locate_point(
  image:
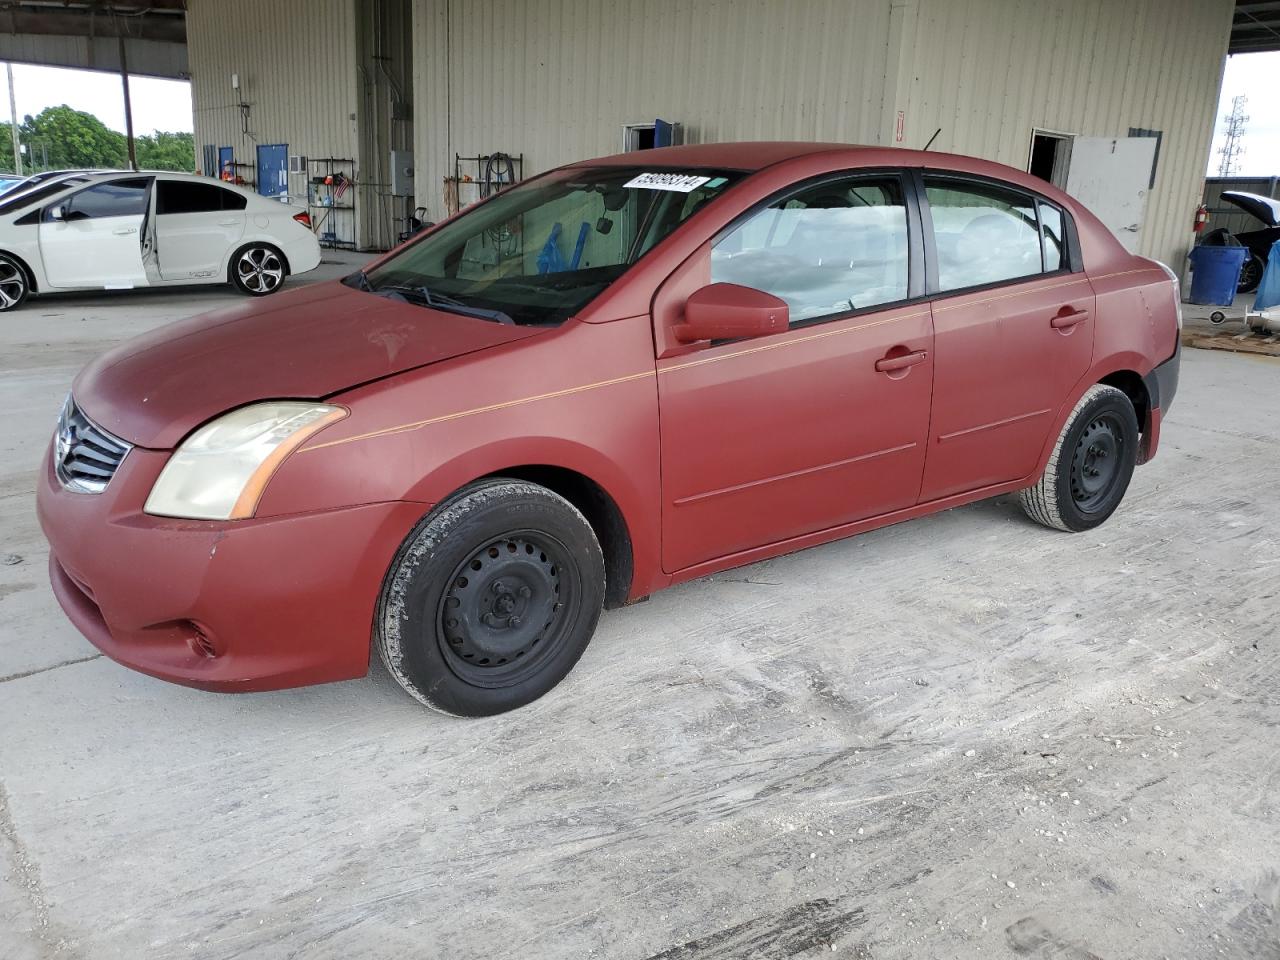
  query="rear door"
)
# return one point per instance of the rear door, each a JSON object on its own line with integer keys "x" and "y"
{"x": 1013, "y": 327}
{"x": 197, "y": 225}
{"x": 273, "y": 169}
{"x": 98, "y": 241}
{"x": 768, "y": 439}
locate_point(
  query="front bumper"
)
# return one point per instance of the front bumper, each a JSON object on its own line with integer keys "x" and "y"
{"x": 229, "y": 606}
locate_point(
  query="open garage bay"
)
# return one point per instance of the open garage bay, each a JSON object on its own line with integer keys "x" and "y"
{"x": 965, "y": 736}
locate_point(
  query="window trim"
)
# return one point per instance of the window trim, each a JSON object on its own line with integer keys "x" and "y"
{"x": 1075, "y": 263}
{"x": 46, "y": 212}
{"x": 916, "y": 263}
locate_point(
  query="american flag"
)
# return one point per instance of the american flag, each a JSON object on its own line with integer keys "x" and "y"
{"x": 340, "y": 184}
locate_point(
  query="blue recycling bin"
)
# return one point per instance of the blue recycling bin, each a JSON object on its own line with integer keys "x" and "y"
{"x": 1215, "y": 274}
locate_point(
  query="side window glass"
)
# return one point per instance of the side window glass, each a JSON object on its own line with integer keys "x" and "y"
{"x": 834, "y": 248}
{"x": 983, "y": 234}
{"x": 180, "y": 196}
{"x": 1052, "y": 237}
{"x": 119, "y": 198}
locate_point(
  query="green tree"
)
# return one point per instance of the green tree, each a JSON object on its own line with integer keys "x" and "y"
{"x": 6, "y": 147}
{"x": 165, "y": 151}
{"x": 71, "y": 139}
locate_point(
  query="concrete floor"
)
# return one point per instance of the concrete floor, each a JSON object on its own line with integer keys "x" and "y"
{"x": 963, "y": 737}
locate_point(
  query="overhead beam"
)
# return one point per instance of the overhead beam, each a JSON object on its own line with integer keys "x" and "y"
{"x": 165, "y": 28}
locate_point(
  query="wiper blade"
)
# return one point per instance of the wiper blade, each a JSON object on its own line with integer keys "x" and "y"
{"x": 442, "y": 301}
{"x": 361, "y": 281}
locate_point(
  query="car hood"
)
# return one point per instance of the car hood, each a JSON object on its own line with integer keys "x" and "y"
{"x": 1264, "y": 208}
{"x": 307, "y": 344}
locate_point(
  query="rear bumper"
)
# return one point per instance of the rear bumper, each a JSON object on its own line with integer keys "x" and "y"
{"x": 1162, "y": 385}
{"x": 238, "y": 606}
{"x": 1162, "y": 382}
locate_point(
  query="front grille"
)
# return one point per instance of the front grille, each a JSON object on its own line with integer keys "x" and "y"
{"x": 85, "y": 457}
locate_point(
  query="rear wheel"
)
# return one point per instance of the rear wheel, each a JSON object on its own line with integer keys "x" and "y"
{"x": 492, "y": 600}
{"x": 1251, "y": 274}
{"x": 13, "y": 283}
{"x": 1091, "y": 465}
{"x": 258, "y": 269}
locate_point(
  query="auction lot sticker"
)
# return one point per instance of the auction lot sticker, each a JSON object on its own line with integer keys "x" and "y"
{"x": 679, "y": 182}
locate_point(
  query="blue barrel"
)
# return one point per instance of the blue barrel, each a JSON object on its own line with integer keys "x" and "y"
{"x": 1215, "y": 274}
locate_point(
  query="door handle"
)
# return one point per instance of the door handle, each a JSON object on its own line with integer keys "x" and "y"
{"x": 890, "y": 364}
{"x": 125, "y": 231}
{"x": 1066, "y": 319}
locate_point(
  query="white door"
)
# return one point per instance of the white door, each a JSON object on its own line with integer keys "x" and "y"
{"x": 1111, "y": 176}
{"x": 197, "y": 225}
{"x": 98, "y": 240}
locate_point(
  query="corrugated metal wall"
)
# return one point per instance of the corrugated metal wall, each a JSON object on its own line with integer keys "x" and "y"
{"x": 296, "y": 60}
{"x": 556, "y": 79}
{"x": 988, "y": 71}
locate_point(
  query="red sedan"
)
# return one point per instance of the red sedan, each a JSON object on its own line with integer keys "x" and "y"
{"x": 617, "y": 376}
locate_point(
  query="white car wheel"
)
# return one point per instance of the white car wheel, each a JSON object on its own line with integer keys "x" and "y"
{"x": 13, "y": 283}
{"x": 258, "y": 270}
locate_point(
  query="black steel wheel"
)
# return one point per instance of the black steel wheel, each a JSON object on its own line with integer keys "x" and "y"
{"x": 1251, "y": 274}
{"x": 492, "y": 599}
{"x": 503, "y": 614}
{"x": 1091, "y": 464}
{"x": 258, "y": 269}
{"x": 1097, "y": 464}
{"x": 13, "y": 283}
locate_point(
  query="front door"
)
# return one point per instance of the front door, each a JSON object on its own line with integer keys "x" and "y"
{"x": 1111, "y": 176}
{"x": 768, "y": 439}
{"x": 95, "y": 237}
{"x": 273, "y": 169}
{"x": 1013, "y": 333}
{"x": 197, "y": 225}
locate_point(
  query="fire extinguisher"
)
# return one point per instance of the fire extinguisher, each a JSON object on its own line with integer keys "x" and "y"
{"x": 1202, "y": 217}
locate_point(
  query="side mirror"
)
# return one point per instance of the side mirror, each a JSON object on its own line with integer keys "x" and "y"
{"x": 727, "y": 311}
{"x": 58, "y": 213}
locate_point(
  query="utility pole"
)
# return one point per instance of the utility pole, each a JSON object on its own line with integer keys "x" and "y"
{"x": 1234, "y": 123}
{"x": 128, "y": 107}
{"x": 13, "y": 122}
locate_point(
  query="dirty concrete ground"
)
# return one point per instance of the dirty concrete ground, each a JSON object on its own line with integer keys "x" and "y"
{"x": 962, "y": 737}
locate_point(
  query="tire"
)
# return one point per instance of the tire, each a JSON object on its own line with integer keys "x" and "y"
{"x": 258, "y": 269}
{"x": 1251, "y": 274}
{"x": 14, "y": 285}
{"x": 1091, "y": 465}
{"x": 491, "y": 600}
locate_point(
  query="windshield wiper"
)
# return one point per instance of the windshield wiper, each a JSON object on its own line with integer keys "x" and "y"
{"x": 361, "y": 281}
{"x": 440, "y": 301}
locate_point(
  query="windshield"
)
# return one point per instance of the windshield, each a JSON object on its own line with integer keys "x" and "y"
{"x": 29, "y": 195}
{"x": 538, "y": 253}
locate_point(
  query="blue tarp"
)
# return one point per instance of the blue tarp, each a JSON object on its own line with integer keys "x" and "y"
{"x": 1268, "y": 294}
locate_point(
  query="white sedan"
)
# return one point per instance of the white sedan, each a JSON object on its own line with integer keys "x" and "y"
{"x": 120, "y": 230}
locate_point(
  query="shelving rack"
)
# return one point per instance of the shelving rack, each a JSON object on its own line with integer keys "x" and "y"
{"x": 465, "y": 188}
{"x": 335, "y": 226}
{"x": 239, "y": 178}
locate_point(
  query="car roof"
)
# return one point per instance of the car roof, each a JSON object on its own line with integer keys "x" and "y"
{"x": 753, "y": 156}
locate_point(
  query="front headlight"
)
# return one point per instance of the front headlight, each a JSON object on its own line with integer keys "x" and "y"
{"x": 220, "y": 471}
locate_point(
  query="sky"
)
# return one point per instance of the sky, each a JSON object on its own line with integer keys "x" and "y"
{"x": 157, "y": 104}
{"x": 1257, "y": 76}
